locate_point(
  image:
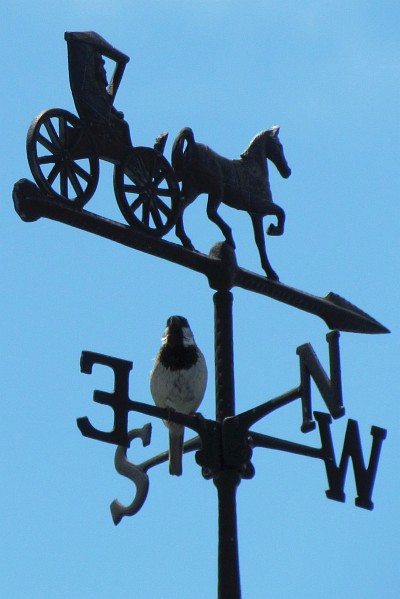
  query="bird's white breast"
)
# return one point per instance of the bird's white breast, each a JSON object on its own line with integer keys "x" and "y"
{"x": 181, "y": 390}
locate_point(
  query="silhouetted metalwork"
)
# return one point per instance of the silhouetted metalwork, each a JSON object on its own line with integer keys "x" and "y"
{"x": 338, "y": 313}
{"x": 227, "y": 442}
{"x": 241, "y": 184}
{"x": 224, "y": 446}
{"x": 64, "y": 150}
{"x": 63, "y": 153}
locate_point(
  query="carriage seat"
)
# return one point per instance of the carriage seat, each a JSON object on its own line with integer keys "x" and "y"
{"x": 93, "y": 94}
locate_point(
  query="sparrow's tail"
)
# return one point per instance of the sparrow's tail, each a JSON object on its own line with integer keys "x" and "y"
{"x": 176, "y": 432}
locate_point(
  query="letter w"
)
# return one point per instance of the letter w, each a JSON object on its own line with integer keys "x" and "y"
{"x": 364, "y": 477}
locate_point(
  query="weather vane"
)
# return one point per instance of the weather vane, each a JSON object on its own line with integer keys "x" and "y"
{"x": 63, "y": 154}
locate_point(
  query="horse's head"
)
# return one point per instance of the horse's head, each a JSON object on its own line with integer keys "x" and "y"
{"x": 274, "y": 151}
{"x": 267, "y": 145}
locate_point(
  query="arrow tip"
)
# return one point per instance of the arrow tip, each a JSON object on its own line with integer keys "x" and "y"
{"x": 355, "y": 320}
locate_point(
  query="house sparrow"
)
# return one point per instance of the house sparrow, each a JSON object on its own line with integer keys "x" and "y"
{"x": 178, "y": 381}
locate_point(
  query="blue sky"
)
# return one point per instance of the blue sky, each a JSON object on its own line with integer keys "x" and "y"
{"x": 328, "y": 74}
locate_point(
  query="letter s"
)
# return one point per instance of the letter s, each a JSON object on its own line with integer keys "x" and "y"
{"x": 135, "y": 474}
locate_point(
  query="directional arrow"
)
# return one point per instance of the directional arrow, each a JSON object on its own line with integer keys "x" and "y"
{"x": 337, "y": 312}
{"x": 220, "y": 266}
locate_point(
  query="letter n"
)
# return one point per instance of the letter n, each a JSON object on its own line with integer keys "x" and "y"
{"x": 329, "y": 388}
{"x": 364, "y": 477}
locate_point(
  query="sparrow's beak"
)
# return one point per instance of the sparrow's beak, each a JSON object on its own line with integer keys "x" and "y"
{"x": 174, "y": 322}
{"x": 176, "y": 330}
{"x": 173, "y": 331}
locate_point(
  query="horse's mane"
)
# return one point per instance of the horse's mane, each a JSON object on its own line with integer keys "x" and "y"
{"x": 254, "y": 143}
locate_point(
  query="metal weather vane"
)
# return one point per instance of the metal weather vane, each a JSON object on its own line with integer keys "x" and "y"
{"x": 63, "y": 153}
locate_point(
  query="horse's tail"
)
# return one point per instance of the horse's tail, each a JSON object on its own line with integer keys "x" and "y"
{"x": 180, "y": 157}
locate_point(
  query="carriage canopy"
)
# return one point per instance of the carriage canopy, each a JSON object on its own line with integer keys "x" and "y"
{"x": 93, "y": 94}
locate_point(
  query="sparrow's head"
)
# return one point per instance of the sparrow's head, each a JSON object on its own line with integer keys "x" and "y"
{"x": 177, "y": 333}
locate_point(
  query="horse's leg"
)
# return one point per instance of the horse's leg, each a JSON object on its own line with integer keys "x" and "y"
{"x": 212, "y": 212}
{"x": 181, "y": 234}
{"x": 179, "y": 228}
{"x": 277, "y": 211}
{"x": 256, "y": 219}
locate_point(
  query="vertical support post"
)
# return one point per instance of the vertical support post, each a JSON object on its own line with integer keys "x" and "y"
{"x": 223, "y": 345}
{"x": 227, "y": 480}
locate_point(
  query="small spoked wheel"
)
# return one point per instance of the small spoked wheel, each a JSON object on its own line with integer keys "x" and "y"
{"x": 147, "y": 191}
{"x": 62, "y": 156}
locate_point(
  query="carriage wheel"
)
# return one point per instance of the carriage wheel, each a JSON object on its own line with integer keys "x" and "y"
{"x": 62, "y": 156}
{"x": 147, "y": 191}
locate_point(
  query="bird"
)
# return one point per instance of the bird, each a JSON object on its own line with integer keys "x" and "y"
{"x": 178, "y": 381}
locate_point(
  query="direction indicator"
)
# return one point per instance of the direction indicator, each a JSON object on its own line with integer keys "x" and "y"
{"x": 337, "y": 312}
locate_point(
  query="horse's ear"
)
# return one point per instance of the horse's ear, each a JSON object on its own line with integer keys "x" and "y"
{"x": 275, "y": 130}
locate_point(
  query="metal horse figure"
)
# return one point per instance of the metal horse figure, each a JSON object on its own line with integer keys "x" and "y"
{"x": 242, "y": 184}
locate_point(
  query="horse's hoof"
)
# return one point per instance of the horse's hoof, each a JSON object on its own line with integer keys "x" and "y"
{"x": 274, "y": 230}
{"x": 187, "y": 244}
{"x": 272, "y": 276}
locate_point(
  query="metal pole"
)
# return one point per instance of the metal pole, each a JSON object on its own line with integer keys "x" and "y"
{"x": 223, "y": 342}
{"x": 228, "y": 479}
{"x": 228, "y": 553}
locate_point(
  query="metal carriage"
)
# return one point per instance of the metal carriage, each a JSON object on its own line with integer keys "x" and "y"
{"x": 64, "y": 150}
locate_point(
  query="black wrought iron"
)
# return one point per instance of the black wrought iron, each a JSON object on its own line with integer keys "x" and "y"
{"x": 224, "y": 446}
{"x": 241, "y": 184}
{"x": 64, "y": 150}
{"x": 31, "y": 204}
{"x": 63, "y": 153}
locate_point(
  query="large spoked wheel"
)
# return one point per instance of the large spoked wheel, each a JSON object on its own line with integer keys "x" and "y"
{"x": 62, "y": 156}
{"x": 147, "y": 191}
